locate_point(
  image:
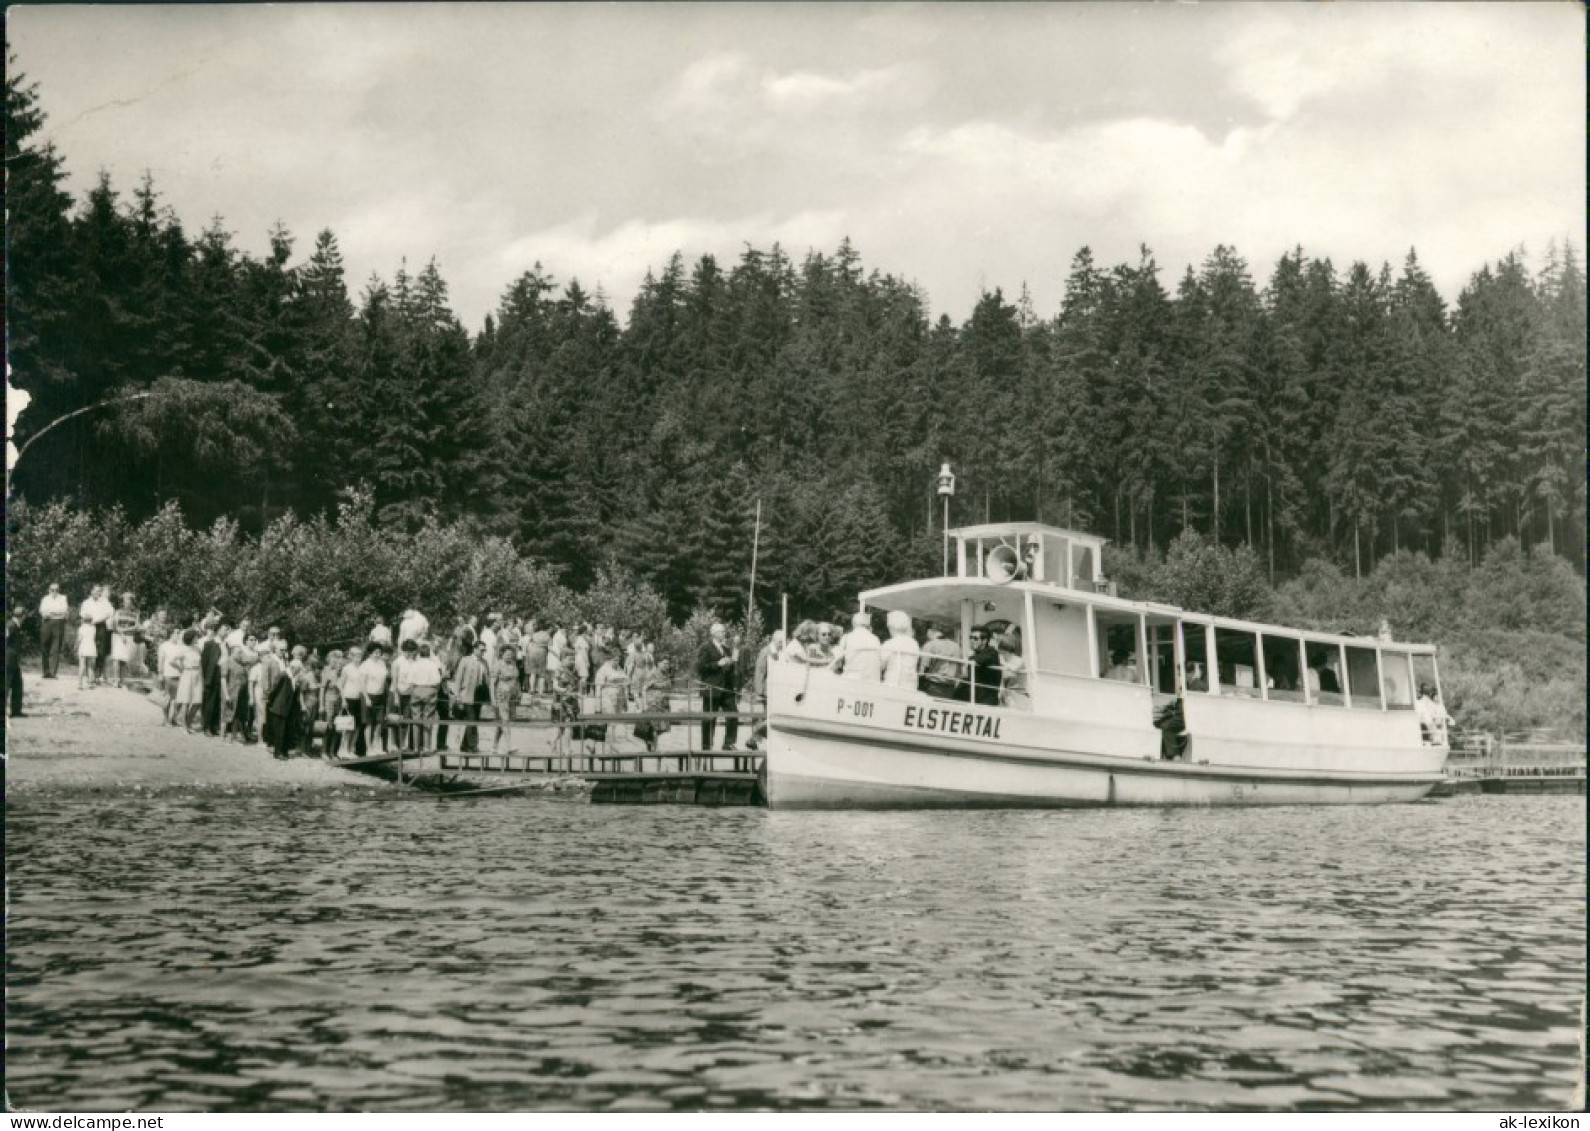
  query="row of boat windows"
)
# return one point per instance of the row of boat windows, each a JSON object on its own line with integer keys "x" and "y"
{"x": 1238, "y": 663}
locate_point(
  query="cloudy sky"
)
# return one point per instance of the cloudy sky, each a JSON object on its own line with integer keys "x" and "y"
{"x": 960, "y": 146}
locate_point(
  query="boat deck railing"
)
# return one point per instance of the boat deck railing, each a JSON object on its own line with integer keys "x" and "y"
{"x": 960, "y": 680}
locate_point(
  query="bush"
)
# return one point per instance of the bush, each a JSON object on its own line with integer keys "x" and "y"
{"x": 620, "y": 598}
{"x": 1196, "y": 575}
{"x": 57, "y": 543}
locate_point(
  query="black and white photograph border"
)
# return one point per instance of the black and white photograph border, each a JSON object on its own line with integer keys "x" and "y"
{"x": 495, "y": 491}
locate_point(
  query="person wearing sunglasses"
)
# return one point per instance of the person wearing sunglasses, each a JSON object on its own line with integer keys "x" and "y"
{"x": 986, "y": 670}
{"x": 821, "y": 650}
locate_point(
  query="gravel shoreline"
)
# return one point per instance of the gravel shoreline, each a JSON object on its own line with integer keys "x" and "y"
{"x": 109, "y": 738}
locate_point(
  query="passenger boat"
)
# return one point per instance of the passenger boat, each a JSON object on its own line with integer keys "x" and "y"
{"x": 1125, "y": 702}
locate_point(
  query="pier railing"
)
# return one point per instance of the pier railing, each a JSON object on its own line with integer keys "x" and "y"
{"x": 589, "y": 744}
{"x": 1478, "y": 754}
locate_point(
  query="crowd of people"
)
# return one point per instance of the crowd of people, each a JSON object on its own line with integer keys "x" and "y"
{"x": 412, "y": 688}
{"x": 391, "y": 689}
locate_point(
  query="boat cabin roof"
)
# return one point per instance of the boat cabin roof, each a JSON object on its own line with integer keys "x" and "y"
{"x": 940, "y": 599}
{"x": 1001, "y": 529}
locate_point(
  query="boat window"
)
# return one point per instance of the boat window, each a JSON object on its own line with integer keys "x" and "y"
{"x": 1282, "y": 655}
{"x": 1081, "y": 567}
{"x": 1363, "y": 678}
{"x": 1235, "y": 652}
{"x": 1396, "y": 680}
{"x": 1323, "y": 677}
{"x": 1195, "y": 654}
{"x": 1424, "y": 674}
{"x": 1118, "y": 655}
{"x": 1162, "y": 653}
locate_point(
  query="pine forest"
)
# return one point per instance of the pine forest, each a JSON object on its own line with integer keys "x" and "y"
{"x": 1318, "y": 428}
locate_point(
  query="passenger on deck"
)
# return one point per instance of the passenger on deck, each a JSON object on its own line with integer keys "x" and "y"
{"x": 1196, "y": 681}
{"x": 987, "y": 675}
{"x": 861, "y": 656}
{"x": 1013, "y": 672}
{"x": 941, "y": 664}
{"x": 821, "y": 649}
{"x": 797, "y": 651}
{"x": 901, "y": 655}
{"x": 1433, "y": 719}
{"x": 1123, "y": 667}
{"x": 767, "y": 656}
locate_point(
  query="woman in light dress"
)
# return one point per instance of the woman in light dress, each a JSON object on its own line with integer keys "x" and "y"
{"x": 610, "y": 694}
{"x": 535, "y": 659}
{"x": 124, "y": 624}
{"x": 168, "y": 662}
{"x": 190, "y": 681}
{"x": 331, "y": 700}
{"x": 504, "y": 694}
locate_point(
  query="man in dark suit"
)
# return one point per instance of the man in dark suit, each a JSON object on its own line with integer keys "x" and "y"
{"x": 210, "y": 670}
{"x": 986, "y": 670}
{"x": 14, "y": 662}
{"x": 717, "y": 668}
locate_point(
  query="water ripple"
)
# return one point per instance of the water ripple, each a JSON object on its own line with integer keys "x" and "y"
{"x": 391, "y": 953}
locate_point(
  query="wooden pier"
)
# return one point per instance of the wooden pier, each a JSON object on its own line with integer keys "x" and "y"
{"x": 1523, "y": 763}
{"x": 616, "y": 772}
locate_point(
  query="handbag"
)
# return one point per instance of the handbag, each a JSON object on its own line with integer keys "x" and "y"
{"x": 343, "y": 723}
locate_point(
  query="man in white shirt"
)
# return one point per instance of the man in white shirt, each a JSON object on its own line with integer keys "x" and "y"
{"x": 53, "y": 611}
{"x": 901, "y": 654}
{"x": 234, "y": 639}
{"x": 488, "y": 637}
{"x": 402, "y": 685}
{"x": 424, "y": 685}
{"x": 860, "y": 653}
{"x": 414, "y": 626}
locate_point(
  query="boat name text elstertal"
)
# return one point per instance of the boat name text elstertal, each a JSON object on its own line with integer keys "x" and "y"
{"x": 952, "y": 722}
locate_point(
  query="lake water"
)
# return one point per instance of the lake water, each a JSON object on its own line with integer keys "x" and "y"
{"x": 379, "y": 951}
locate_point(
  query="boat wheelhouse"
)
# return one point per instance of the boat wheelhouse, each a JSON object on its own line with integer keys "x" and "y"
{"x": 1118, "y": 702}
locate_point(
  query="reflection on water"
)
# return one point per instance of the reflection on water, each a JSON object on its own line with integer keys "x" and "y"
{"x": 395, "y": 952}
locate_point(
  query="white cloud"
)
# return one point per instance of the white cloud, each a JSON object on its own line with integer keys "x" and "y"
{"x": 1286, "y": 58}
{"x": 730, "y": 102}
{"x": 806, "y": 90}
{"x": 957, "y": 145}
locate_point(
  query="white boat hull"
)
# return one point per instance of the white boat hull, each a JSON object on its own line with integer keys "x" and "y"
{"x": 905, "y": 750}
